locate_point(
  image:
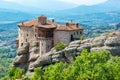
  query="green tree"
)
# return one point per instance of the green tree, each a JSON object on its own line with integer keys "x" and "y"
{"x": 59, "y": 46}
{"x": 38, "y": 74}
{"x": 16, "y": 73}
{"x": 88, "y": 66}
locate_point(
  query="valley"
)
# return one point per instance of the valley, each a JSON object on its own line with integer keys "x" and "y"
{"x": 94, "y": 24}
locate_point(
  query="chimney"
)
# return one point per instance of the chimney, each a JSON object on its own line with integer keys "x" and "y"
{"x": 67, "y": 23}
{"x": 77, "y": 25}
{"x": 53, "y": 20}
{"x": 70, "y": 24}
{"x": 42, "y": 20}
{"x": 22, "y": 23}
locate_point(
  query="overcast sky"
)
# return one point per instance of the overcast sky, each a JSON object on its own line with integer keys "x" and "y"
{"x": 52, "y": 4}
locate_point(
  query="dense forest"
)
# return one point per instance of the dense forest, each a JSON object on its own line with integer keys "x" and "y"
{"x": 87, "y": 66}
{"x": 6, "y": 57}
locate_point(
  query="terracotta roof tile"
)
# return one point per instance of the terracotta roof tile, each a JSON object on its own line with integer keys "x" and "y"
{"x": 49, "y": 25}
{"x": 69, "y": 28}
{"x": 46, "y": 26}
{"x": 29, "y": 23}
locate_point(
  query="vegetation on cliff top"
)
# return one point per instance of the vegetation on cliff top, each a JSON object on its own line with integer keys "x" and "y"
{"x": 88, "y": 66}
{"x": 59, "y": 46}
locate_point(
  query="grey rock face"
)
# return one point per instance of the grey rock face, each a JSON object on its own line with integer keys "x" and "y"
{"x": 22, "y": 55}
{"x": 23, "y": 51}
{"x": 98, "y": 41}
{"x": 41, "y": 61}
{"x": 21, "y": 59}
{"x": 112, "y": 41}
{"x": 114, "y": 50}
{"x": 33, "y": 57}
{"x": 75, "y": 44}
{"x": 34, "y": 53}
{"x": 95, "y": 49}
{"x": 86, "y": 46}
{"x": 28, "y": 55}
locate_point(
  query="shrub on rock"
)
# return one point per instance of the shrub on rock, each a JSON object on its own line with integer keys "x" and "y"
{"x": 59, "y": 46}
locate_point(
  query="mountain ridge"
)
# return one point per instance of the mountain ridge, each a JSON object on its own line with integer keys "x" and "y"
{"x": 108, "y": 6}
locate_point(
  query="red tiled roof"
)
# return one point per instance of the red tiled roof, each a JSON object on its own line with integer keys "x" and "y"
{"x": 29, "y": 23}
{"x": 69, "y": 28}
{"x": 49, "y": 25}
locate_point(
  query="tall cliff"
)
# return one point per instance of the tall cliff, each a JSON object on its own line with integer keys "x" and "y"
{"x": 28, "y": 56}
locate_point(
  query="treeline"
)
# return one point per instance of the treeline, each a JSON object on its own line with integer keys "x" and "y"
{"x": 88, "y": 66}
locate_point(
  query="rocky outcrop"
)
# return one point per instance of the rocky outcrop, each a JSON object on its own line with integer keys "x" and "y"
{"x": 21, "y": 59}
{"x": 29, "y": 58}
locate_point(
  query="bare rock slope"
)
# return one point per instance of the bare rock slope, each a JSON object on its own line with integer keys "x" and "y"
{"x": 28, "y": 56}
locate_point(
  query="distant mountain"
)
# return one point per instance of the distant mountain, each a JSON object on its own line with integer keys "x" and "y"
{"x": 14, "y": 15}
{"x": 108, "y": 6}
{"x": 36, "y": 6}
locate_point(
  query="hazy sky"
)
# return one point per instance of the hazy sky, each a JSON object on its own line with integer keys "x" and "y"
{"x": 53, "y": 4}
{"x": 84, "y": 2}
{"x": 78, "y": 2}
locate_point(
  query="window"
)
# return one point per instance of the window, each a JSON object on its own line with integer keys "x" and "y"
{"x": 27, "y": 34}
{"x": 80, "y": 32}
{"x": 21, "y": 44}
{"x": 74, "y": 33}
{"x": 35, "y": 30}
{"x": 26, "y": 40}
{"x": 72, "y": 39}
{"x": 48, "y": 47}
{"x": 77, "y": 33}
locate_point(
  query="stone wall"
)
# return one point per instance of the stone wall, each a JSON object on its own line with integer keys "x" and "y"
{"x": 76, "y": 34}
{"x": 65, "y": 36}
{"x": 61, "y": 36}
{"x": 26, "y": 34}
{"x": 45, "y": 44}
